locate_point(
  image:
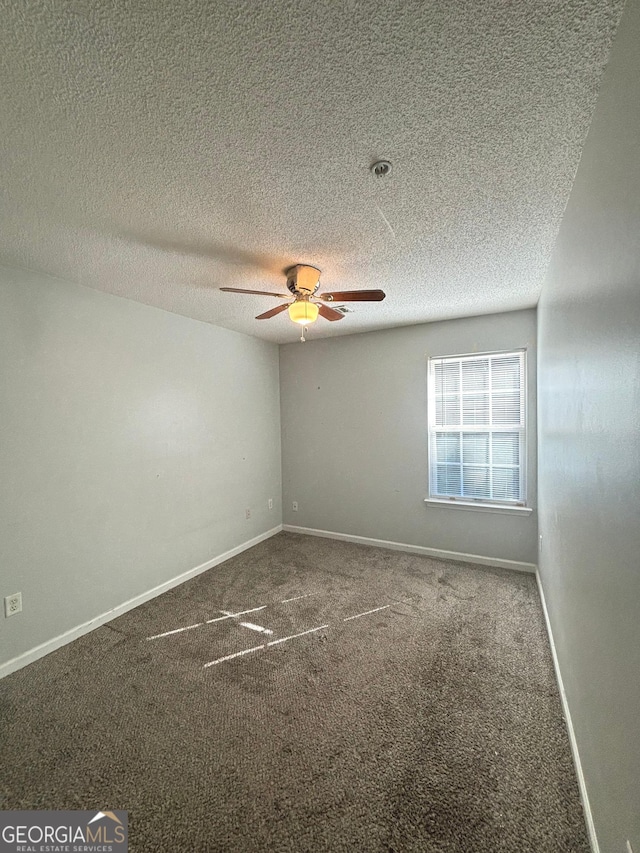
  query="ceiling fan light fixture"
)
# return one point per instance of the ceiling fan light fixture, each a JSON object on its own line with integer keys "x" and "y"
{"x": 303, "y": 312}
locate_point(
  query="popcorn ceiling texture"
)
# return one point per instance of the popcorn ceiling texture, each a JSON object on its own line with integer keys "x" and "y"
{"x": 161, "y": 151}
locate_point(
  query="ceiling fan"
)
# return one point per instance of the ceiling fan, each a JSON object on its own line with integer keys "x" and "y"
{"x": 303, "y": 281}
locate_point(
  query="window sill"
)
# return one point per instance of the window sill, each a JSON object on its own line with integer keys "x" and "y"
{"x": 481, "y": 507}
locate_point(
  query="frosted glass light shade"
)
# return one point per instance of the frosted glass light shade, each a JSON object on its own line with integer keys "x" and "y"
{"x": 303, "y": 312}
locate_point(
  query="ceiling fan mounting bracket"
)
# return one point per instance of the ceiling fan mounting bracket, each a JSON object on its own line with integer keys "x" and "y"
{"x": 303, "y": 280}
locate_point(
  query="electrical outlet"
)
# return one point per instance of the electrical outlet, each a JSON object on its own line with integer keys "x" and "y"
{"x": 13, "y": 604}
{"x": 270, "y": 503}
{"x": 247, "y": 513}
{"x": 295, "y": 506}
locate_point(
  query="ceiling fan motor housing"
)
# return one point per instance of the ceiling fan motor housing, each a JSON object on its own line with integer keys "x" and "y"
{"x": 303, "y": 279}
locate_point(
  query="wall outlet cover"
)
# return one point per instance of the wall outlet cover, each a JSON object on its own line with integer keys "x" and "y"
{"x": 13, "y": 604}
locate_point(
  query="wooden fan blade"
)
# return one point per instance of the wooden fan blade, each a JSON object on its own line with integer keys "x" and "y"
{"x": 353, "y": 296}
{"x": 258, "y": 292}
{"x": 329, "y": 313}
{"x": 272, "y": 313}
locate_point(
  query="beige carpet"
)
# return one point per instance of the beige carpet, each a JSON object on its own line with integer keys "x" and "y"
{"x": 432, "y": 724}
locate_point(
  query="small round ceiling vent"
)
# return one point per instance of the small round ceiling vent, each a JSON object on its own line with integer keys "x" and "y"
{"x": 381, "y": 168}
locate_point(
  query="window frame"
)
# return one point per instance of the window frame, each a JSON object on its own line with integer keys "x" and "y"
{"x": 465, "y": 501}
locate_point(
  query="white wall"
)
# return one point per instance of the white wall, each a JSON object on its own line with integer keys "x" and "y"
{"x": 354, "y": 436}
{"x": 132, "y": 441}
{"x": 589, "y": 477}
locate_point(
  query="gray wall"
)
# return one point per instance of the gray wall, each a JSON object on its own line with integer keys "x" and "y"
{"x": 132, "y": 441}
{"x": 354, "y": 436}
{"x": 589, "y": 478}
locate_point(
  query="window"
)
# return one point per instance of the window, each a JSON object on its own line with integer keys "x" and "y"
{"x": 477, "y": 430}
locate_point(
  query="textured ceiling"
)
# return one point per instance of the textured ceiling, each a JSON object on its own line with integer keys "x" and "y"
{"x": 160, "y": 151}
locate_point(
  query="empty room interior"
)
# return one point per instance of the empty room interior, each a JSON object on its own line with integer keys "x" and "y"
{"x": 319, "y": 447}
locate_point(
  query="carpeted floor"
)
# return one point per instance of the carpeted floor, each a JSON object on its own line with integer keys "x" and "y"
{"x": 433, "y": 724}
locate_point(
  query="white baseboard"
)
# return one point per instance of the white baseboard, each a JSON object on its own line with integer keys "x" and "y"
{"x": 415, "y": 549}
{"x": 68, "y": 636}
{"x": 584, "y": 796}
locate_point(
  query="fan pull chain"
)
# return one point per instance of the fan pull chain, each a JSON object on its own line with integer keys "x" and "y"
{"x": 302, "y": 336}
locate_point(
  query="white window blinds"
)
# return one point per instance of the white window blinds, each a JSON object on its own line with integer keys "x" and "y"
{"x": 477, "y": 427}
